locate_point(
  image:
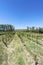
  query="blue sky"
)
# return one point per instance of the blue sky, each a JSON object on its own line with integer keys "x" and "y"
{"x": 21, "y": 13}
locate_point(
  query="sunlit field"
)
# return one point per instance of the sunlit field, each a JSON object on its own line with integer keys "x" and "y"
{"x": 21, "y": 48}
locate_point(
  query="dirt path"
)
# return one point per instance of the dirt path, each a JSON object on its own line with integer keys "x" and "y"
{"x": 27, "y": 56}
{"x": 15, "y": 50}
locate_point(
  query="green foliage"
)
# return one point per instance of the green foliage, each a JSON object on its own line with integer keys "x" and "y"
{"x": 36, "y": 30}
{"x": 6, "y": 28}
{"x": 20, "y": 61}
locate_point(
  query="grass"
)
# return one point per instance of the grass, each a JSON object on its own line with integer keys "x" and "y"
{"x": 22, "y": 41}
{"x": 20, "y": 61}
{"x": 32, "y": 46}
{"x": 3, "y": 54}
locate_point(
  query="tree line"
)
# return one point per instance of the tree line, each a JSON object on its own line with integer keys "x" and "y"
{"x": 6, "y": 27}
{"x": 33, "y": 29}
